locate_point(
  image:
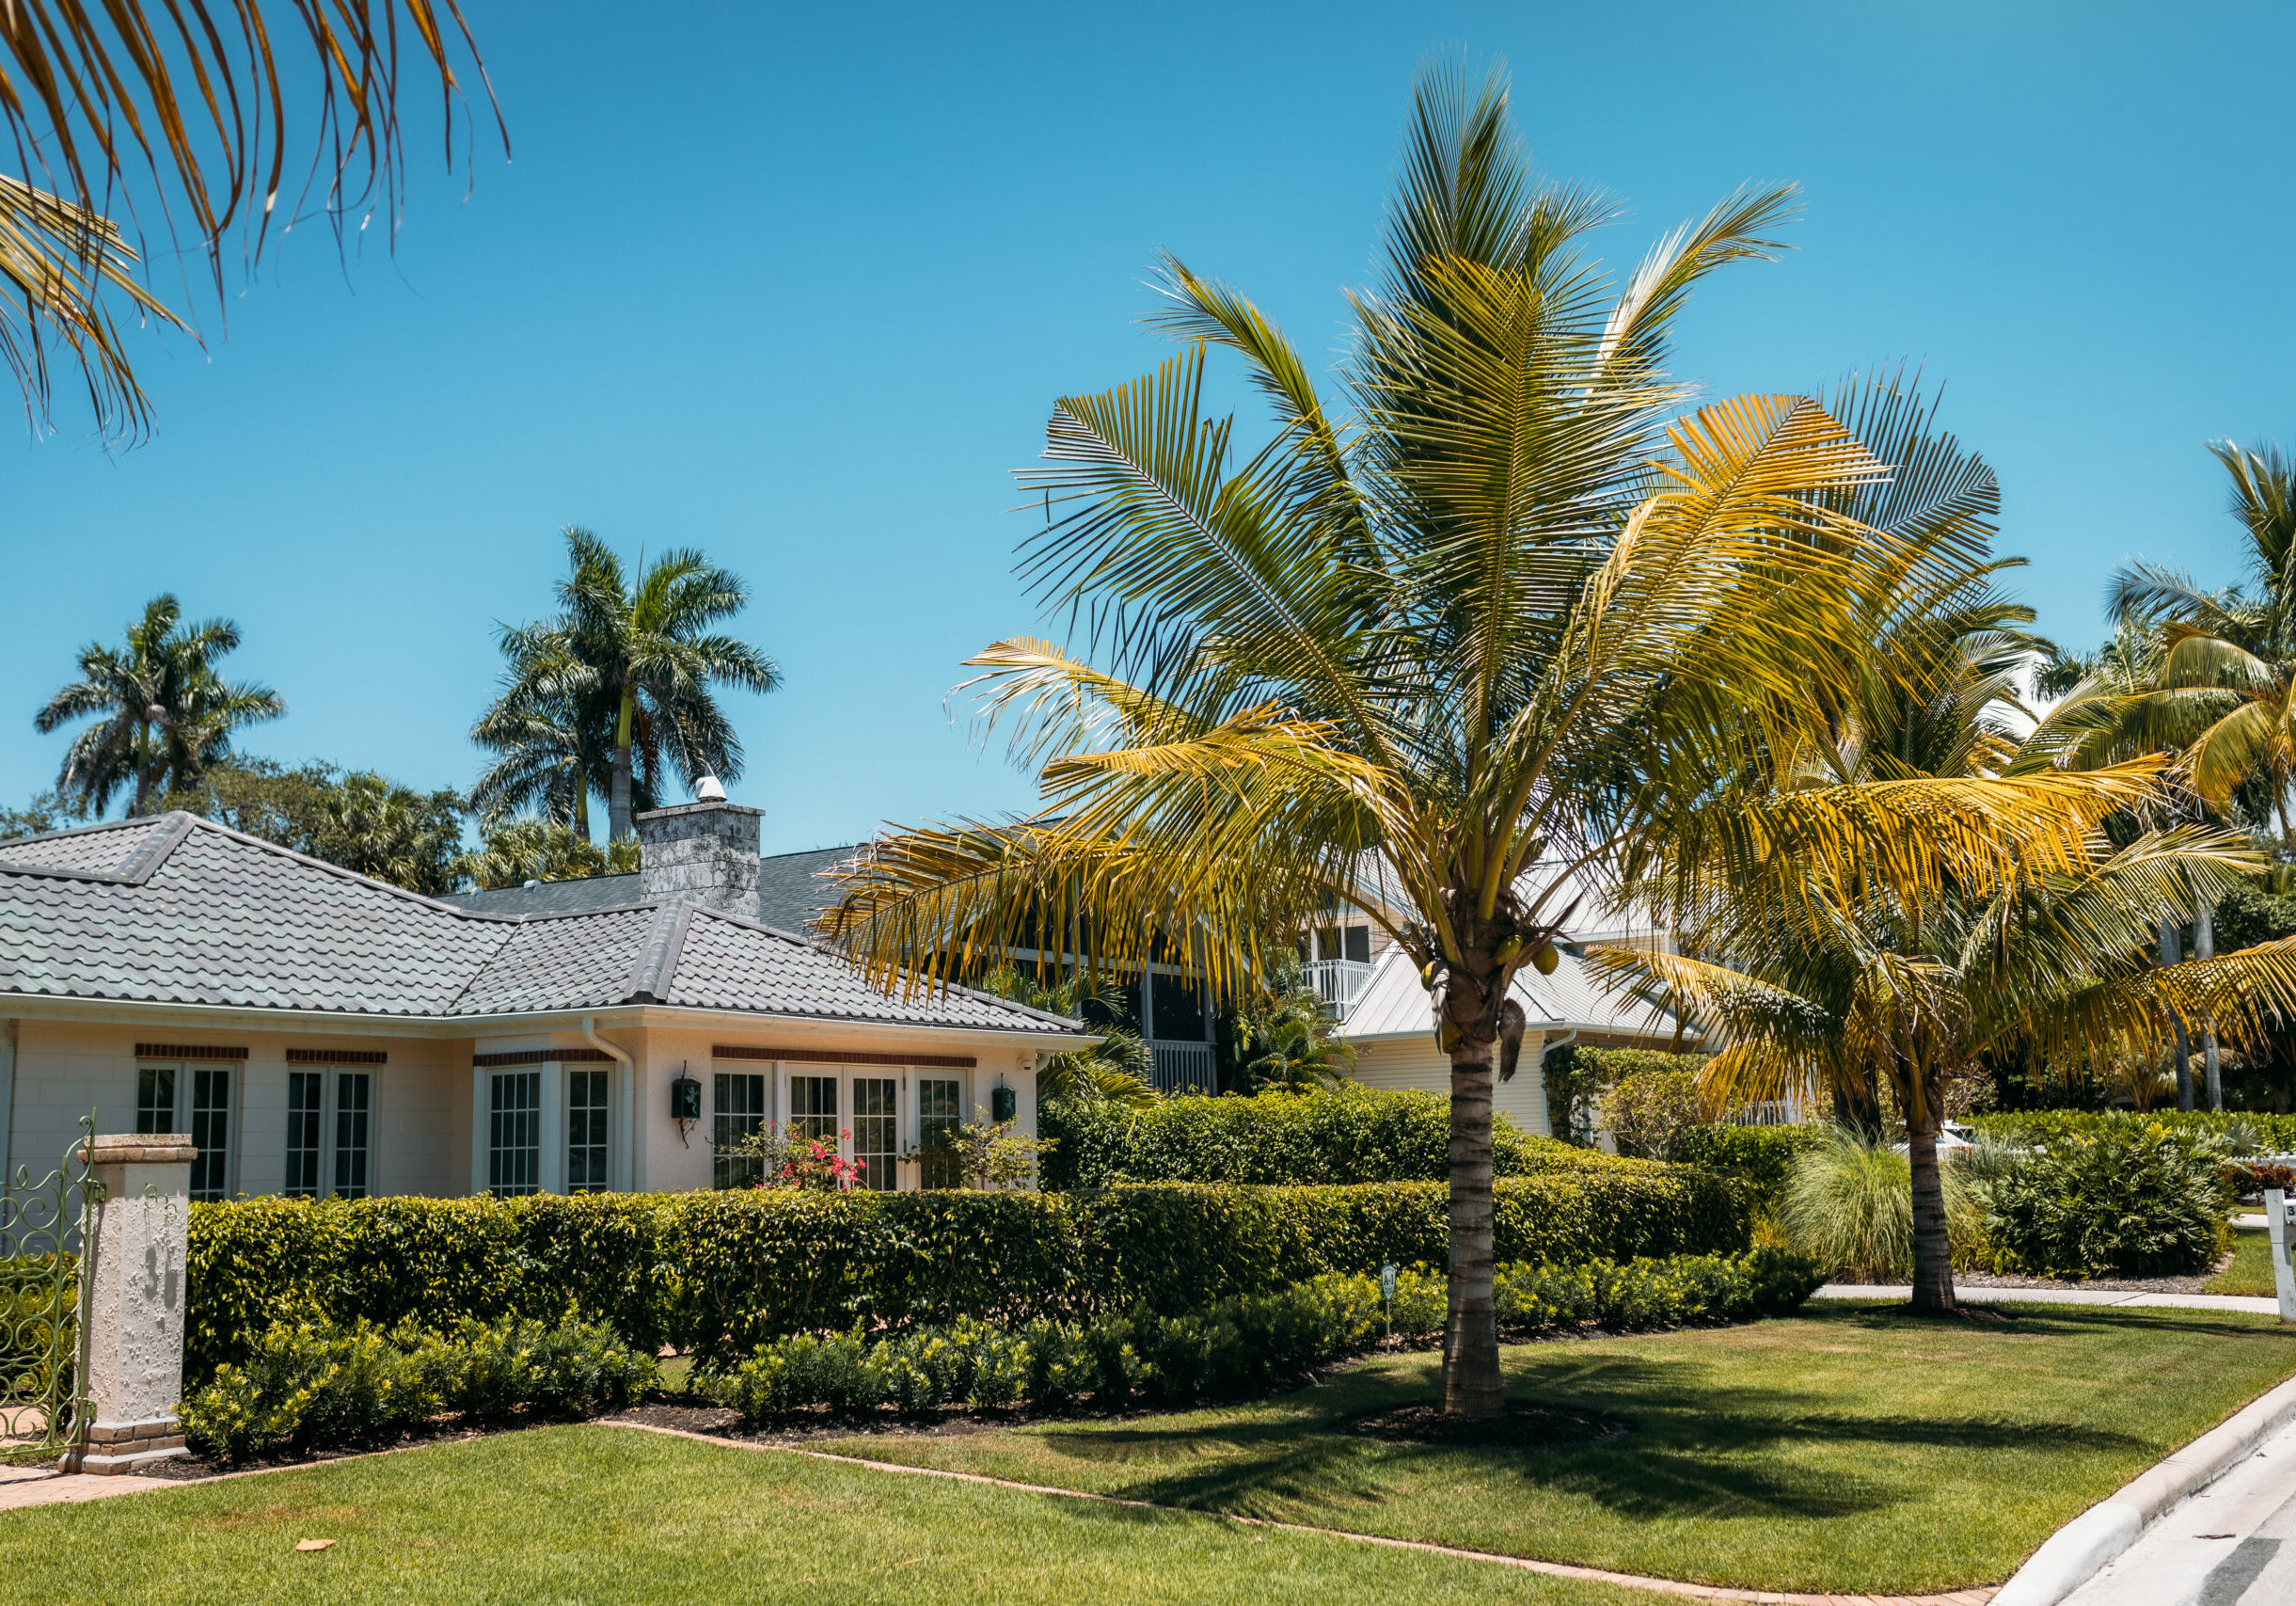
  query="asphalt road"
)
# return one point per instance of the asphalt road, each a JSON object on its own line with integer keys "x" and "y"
{"x": 2233, "y": 1544}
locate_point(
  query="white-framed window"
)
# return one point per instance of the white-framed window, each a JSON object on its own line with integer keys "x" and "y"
{"x": 195, "y": 1099}
{"x": 354, "y": 1132}
{"x": 876, "y": 1126}
{"x": 330, "y": 1133}
{"x": 514, "y": 1136}
{"x": 738, "y": 1109}
{"x": 586, "y": 1152}
{"x": 939, "y": 1111}
{"x": 812, "y": 1107}
{"x": 306, "y": 1119}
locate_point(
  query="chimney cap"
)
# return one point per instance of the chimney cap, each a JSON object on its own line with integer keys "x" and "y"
{"x": 708, "y": 788}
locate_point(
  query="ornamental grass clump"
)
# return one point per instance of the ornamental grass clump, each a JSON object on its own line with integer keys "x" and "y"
{"x": 1849, "y": 1205}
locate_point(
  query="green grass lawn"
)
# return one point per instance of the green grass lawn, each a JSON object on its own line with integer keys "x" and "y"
{"x": 1850, "y": 1448}
{"x": 2251, "y": 1271}
{"x": 605, "y": 1514}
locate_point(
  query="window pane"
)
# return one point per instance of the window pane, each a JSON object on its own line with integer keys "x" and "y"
{"x": 876, "y": 1103}
{"x": 305, "y": 1088}
{"x": 938, "y": 1111}
{"x": 1179, "y": 1006}
{"x": 739, "y": 1111}
{"x": 1359, "y": 943}
{"x": 585, "y": 1130}
{"x": 155, "y": 1098}
{"x": 354, "y": 1096}
{"x": 812, "y": 1107}
{"x": 211, "y": 1131}
{"x": 514, "y": 1153}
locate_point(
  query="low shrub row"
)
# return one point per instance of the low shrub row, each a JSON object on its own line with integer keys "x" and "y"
{"x": 1238, "y": 1347}
{"x": 719, "y": 1273}
{"x": 305, "y": 1386}
{"x": 1345, "y": 1135}
{"x": 2245, "y": 1132}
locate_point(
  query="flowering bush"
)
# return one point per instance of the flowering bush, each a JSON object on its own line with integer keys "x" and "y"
{"x": 792, "y": 1159}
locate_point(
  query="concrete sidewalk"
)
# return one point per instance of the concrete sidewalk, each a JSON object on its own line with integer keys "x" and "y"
{"x": 20, "y": 1486}
{"x": 2259, "y": 1304}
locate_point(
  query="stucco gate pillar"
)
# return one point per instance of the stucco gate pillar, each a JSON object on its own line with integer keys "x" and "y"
{"x": 132, "y": 1348}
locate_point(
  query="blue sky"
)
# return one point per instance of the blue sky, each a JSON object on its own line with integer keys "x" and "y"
{"x": 798, "y": 285}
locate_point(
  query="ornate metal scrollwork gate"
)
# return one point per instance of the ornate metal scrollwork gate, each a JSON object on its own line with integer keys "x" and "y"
{"x": 43, "y": 1302}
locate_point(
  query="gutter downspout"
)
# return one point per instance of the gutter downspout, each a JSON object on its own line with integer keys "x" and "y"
{"x": 626, "y": 1154}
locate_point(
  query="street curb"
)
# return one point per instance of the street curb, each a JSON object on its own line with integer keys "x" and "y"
{"x": 2077, "y": 1552}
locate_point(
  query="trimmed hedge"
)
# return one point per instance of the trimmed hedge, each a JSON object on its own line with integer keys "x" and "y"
{"x": 2244, "y": 1129}
{"x": 309, "y": 1387}
{"x": 1242, "y": 1345}
{"x": 719, "y": 1273}
{"x": 1763, "y": 1155}
{"x": 1342, "y": 1136}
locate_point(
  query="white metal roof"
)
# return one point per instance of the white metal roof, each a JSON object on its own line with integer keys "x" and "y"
{"x": 1394, "y": 1004}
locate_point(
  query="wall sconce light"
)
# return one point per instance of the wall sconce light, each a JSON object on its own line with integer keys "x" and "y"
{"x": 1004, "y": 1104}
{"x": 685, "y": 1104}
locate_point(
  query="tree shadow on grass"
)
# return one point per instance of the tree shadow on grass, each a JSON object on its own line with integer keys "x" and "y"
{"x": 1699, "y": 1447}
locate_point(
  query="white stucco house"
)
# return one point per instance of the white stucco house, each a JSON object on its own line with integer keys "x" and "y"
{"x": 317, "y": 1032}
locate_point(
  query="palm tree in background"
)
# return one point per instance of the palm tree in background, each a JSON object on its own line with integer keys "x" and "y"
{"x": 554, "y": 747}
{"x": 1500, "y": 613}
{"x": 2209, "y": 676}
{"x": 163, "y": 714}
{"x": 2034, "y": 934}
{"x": 646, "y": 651}
{"x": 181, "y": 111}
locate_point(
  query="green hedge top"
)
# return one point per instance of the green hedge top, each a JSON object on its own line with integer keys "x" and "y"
{"x": 1764, "y": 1155}
{"x": 722, "y": 1272}
{"x": 1348, "y": 1134}
{"x": 2245, "y": 1129}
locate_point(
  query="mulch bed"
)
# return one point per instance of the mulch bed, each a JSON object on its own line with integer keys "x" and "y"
{"x": 1525, "y": 1425}
{"x": 2109, "y": 1284}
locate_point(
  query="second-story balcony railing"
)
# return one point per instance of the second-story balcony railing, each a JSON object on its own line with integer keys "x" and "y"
{"x": 1338, "y": 981}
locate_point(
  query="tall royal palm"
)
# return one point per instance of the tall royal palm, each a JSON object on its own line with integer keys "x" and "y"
{"x": 553, "y": 746}
{"x": 1493, "y": 614}
{"x": 645, "y": 649}
{"x": 162, "y": 715}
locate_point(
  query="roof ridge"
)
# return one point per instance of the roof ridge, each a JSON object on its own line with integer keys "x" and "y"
{"x": 164, "y": 832}
{"x": 657, "y": 956}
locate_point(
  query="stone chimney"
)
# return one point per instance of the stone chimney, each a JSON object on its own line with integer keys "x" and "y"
{"x": 700, "y": 852}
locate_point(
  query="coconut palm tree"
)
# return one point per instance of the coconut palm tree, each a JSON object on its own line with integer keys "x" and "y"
{"x": 185, "y": 108}
{"x": 163, "y": 714}
{"x": 645, "y": 650}
{"x": 1844, "y": 975}
{"x": 1507, "y": 608}
{"x": 555, "y": 746}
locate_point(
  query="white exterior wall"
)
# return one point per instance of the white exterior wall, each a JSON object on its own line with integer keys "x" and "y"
{"x": 66, "y": 1069}
{"x": 1418, "y": 1065}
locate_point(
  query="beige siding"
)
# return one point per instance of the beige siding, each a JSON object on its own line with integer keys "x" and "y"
{"x": 1417, "y": 1064}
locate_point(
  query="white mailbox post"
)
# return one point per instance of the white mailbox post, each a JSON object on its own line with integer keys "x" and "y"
{"x": 2280, "y": 1216}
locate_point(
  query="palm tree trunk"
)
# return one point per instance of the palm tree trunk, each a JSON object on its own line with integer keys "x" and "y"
{"x": 2204, "y": 947}
{"x": 618, "y": 826}
{"x": 581, "y": 807}
{"x": 2172, "y": 949}
{"x": 142, "y": 802}
{"x": 1471, "y": 1384}
{"x": 1933, "y": 1255}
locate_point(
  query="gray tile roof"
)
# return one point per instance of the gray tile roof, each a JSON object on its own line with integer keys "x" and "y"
{"x": 575, "y": 897}
{"x": 181, "y": 909}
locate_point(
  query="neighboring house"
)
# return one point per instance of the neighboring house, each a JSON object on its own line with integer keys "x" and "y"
{"x": 316, "y": 1032}
{"x": 1385, "y": 1013}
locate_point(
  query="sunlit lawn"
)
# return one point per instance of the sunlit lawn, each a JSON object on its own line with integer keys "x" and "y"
{"x": 1851, "y": 1448}
{"x": 605, "y": 1516}
{"x": 2251, "y": 1271}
